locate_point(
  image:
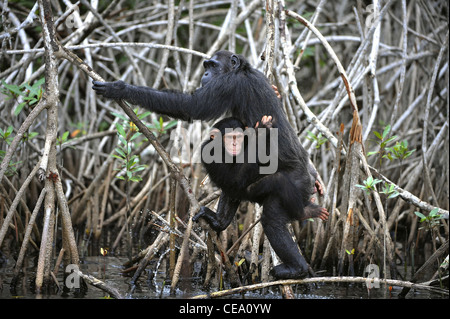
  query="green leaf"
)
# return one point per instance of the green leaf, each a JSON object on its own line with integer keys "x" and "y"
{"x": 135, "y": 135}
{"x": 390, "y": 139}
{"x": 121, "y": 152}
{"x": 121, "y": 130}
{"x": 117, "y": 156}
{"x": 408, "y": 154}
{"x": 136, "y": 179}
{"x": 240, "y": 262}
{"x": 139, "y": 168}
{"x": 394, "y": 195}
{"x": 65, "y": 135}
{"x": 120, "y": 116}
{"x": 386, "y": 131}
{"x": 40, "y": 82}
{"x": 122, "y": 140}
{"x": 171, "y": 124}
{"x": 377, "y": 135}
{"x": 421, "y": 216}
{"x": 143, "y": 115}
{"x": 434, "y": 213}
{"x": 31, "y": 135}
{"x": 19, "y": 108}
{"x": 15, "y": 89}
{"x": 9, "y": 130}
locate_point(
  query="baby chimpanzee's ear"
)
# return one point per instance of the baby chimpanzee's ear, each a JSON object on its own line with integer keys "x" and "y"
{"x": 213, "y": 133}
{"x": 235, "y": 61}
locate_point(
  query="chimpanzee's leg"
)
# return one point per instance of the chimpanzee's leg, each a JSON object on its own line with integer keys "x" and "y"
{"x": 274, "y": 220}
{"x": 226, "y": 210}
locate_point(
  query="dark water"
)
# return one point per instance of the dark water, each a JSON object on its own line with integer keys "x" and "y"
{"x": 109, "y": 270}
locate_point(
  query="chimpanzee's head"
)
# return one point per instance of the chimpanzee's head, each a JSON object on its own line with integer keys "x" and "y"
{"x": 221, "y": 62}
{"x": 232, "y": 132}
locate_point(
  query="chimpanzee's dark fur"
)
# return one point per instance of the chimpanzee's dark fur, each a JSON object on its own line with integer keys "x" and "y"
{"x": 231, "y": 86}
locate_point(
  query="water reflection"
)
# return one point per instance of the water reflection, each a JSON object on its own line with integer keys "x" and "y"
{"x": 153, "y": 285}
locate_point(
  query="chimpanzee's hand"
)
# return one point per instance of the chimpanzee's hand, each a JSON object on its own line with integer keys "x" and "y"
{"x": 266, "y": 122}
{"x": 110, "y": 90}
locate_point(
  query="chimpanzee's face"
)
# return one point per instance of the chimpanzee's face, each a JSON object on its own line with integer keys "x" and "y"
{"x": 213, "y": 67}
{"x": 221, "y": 62}
{"x": 233, "y": 142}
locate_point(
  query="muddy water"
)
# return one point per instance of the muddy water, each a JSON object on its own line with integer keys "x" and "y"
{"x": 109, "y": 270}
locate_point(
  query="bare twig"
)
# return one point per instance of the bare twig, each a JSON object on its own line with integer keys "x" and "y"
{"x": 361, "y": 280}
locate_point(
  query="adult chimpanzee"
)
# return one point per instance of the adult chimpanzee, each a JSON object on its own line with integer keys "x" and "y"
{"x": 231, "y": 86}
{"x": 229, "y": 164}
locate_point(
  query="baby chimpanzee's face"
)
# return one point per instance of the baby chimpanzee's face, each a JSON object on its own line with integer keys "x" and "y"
{"x": 233, "y": 142}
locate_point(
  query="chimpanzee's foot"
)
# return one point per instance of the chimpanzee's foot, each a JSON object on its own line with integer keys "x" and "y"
{"x": 284, "y": 271}
{"x": 315, "y": 211}
{"x": 210, "y": 217}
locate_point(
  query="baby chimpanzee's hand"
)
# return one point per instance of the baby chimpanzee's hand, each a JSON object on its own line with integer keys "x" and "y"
{"x": 266, "y": 122}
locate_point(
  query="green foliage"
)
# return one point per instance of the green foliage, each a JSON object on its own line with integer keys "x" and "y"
{"x": 29, "y": 136}
{"x": 382, "y": 140}
{"x": 128, "y": 133}
{"x": 389, "y": 190}
{"x": 31, "y": 94}
{"x": 6, "y": 135}
{"x": 369, "y": 184}
{"x": 128, "y": 162}
{"x": 319, "y": 139}
{"x": 432, "y": 220}
{"x": 398, "y": 151}
{"x": 160, "y": 127}
{"x": 63, "y": 138}
{"x": 12, "y": 167}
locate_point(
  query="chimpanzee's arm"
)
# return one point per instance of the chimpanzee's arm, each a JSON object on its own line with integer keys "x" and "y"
{"x": 225, "y": 212}
{"x": 204, "y": 104}
{"x": 174, "y": 104}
